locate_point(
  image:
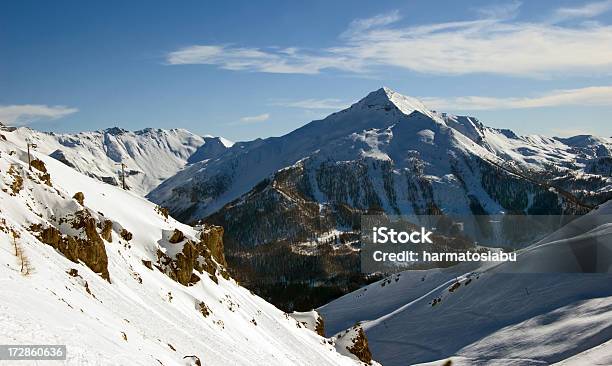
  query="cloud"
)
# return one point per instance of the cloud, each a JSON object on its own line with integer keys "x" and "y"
{"x": 258, "y": 118}
{"x": 590, "y": 96}
{"x": 586, "y": 11}
{"x": 278, "y": 61}
{"x": 495, "y": 43}
{"x": 330, "y": 103}
{"x": 360, "y": 25}
{"x": 500, "y": 11}
{"x": 26, "y": 113}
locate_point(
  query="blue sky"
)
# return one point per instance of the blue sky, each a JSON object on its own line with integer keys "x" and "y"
{"x": 256, "y": 69}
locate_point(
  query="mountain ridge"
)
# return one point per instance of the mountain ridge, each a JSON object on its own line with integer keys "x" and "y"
{"x": 377, "y": 111}
{"x": 150, "y": 155}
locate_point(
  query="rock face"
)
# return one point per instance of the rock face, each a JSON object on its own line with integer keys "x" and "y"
{"x": 39, "y": 165}
{"x": 360, "y": 347}
{"x": 107, "y": 230}
{"x": 203, "y": 256}
{"x": 126, "y": 235}
{"x": 89, "y": 249}
{"x": 79, "y": 197}
{"x": 177, "y": 237}
{"x": 320, "y": 326}
{"x": 212, "y": 237}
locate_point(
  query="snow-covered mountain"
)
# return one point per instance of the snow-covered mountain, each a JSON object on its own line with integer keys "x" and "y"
{"x": 386, "y": 152}
{"x": 149, "y": 155}
{"x": 117, "y": 280}
{"x": 390, "y": 151}
{"x": 554, "y": 304}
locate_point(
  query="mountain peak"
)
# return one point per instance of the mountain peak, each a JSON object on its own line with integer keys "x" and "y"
{"x": 115, "y": 131}
{"x": 387, "y": 97}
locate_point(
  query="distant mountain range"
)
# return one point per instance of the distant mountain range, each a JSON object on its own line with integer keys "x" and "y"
{"x": 150, "y": 155}
{"x": 298, "y": 198}
{"x": 391, "y": 152}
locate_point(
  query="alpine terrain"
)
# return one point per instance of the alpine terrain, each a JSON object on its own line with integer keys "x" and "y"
{"x": 149, "y": 156}
{"x": 118, "y": 281}
{"x": 291, "y": 205}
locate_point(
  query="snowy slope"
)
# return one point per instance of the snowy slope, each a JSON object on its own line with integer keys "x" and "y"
{"x": 539, "y": 310}
{"x": 150, "y": 155}
{"x": 138, "y": 315}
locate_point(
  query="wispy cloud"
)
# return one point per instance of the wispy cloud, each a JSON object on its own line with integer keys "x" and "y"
{"x": 26, "y": 113}
{"x": 329, "y": 103}
{"x": 360, "y": 25}
{"x": 589, "y": 10}
{"x": 271, "y": 60}
{"x": 257, "y": 118}
{"x": 495, "y": 43}
{"x": 590, "y": 96}
{"x": 500, "y": 11}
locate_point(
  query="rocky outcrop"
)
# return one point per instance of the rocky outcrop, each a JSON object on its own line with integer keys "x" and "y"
{"x": 205, "y": 310}
{"x": 79, "y": 197}
{"x": 360, "y": 347}
{"x": 107, "y": 231}
{"x": 17, "y": 184}
{"x": 177, "y": 237}
{"x": 39, "y": 165}
{"x": 90, "y": 250}
{"x": 320, "y": 326}
{"x": 44, "y": 175}
{"x": 212, "y": 237}
{"x": 203, "y": 256}
{"x": 126, "y": 235}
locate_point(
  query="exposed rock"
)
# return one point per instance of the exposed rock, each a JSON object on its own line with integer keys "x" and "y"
{"x": 79, "y": 197}
{"x": 212, "y": 237}
{"x": 177, "y": 237}
{"x": 196, "y": 256}
{"x": 204, "y": 309}
{"x": 17, "y": 184}
{"x": 147, "y": 264}
{"x": 360, "y": 347}
{"x": 90, "y": 250}
{"x": 194, "y": 360}
{"x": 38, "y": 165}
{"x": 73, "y": 272}
{"x": 162, "y": 211}
{"x": 107, "y": 231}
{"x": 46, "y": 178}
{"x": 126, "y": 235}
{"x": 320, "y": 326}
{"x": 185, "y": 262}
{"x": 51, "y": 236}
